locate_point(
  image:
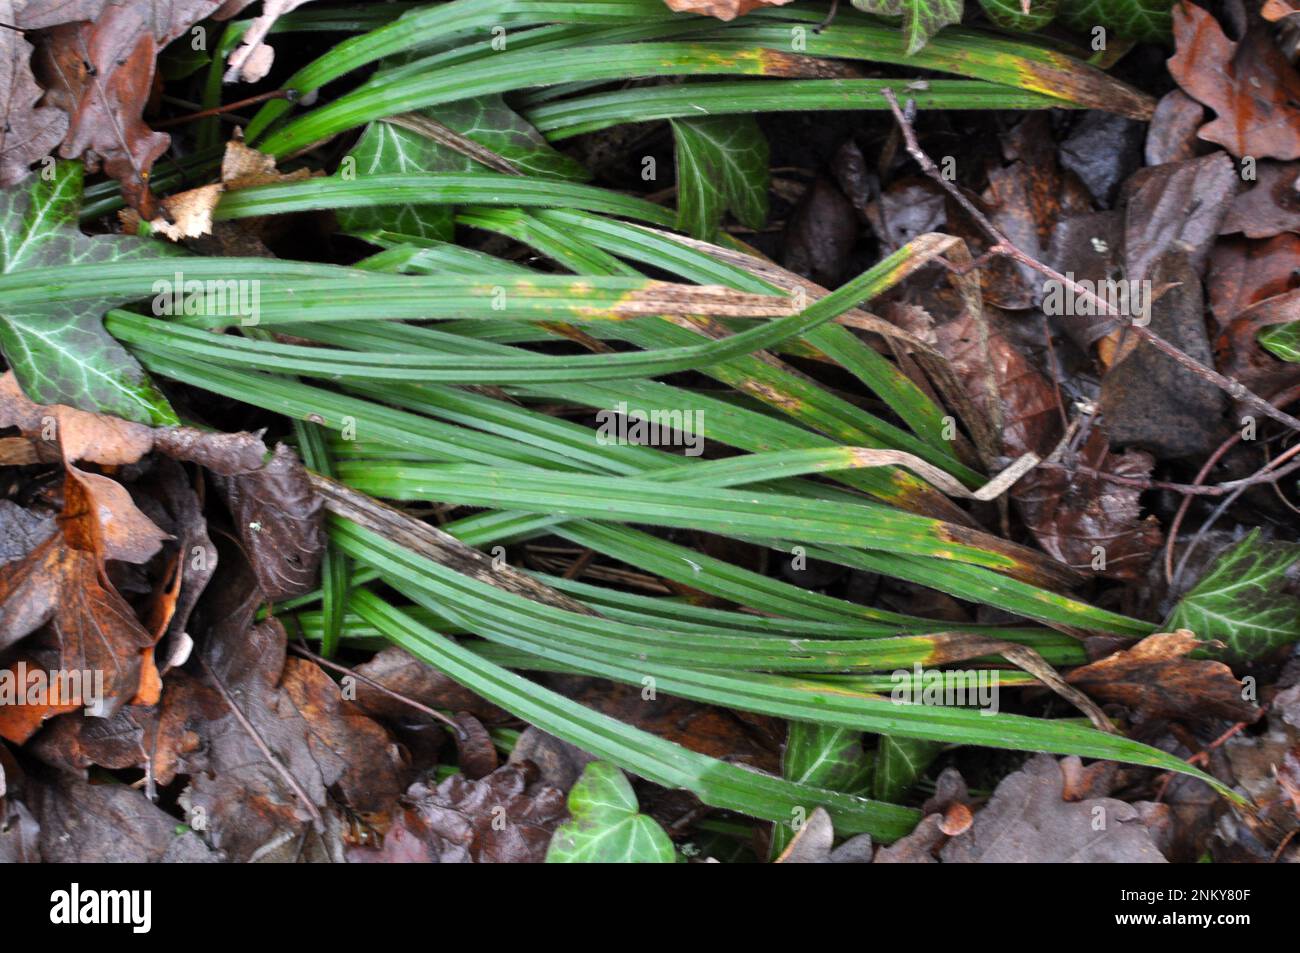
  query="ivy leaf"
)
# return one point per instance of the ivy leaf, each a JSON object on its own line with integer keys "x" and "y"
{"x": 900, "y": 762}
{"x": 1010, "y": 15}
{"x": 721, "y": 165}
{"x": 604, "y": 826}
{"x": 389, "y": 147}
{"x": 1142, "y": 20}
{"x": 1283, "y": 341}
{"x": 824, "y": 756}
{"x": 1240, "y": 603}
{"x": 922, "y": 19}
{"x": 61, "y": 353}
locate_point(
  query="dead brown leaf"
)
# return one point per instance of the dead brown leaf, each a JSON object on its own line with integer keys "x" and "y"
{"x": 96, "y": 61}
{"x": 63, "y": 582}
{"x": 1249, "y": 84}
{"x": 280, "y": 520}
{"x": 1271, "y": 206}
{"x": 1157, "y": 679}
{"x": 29, "y": 131}
{"x": 503, "y": 818}
{"x": 1029, "y": 821}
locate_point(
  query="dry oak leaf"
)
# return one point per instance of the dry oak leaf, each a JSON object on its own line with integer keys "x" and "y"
{"x": 1028, "y": 821}
{"x": 1249, "y": 84}
{"x": 721, "y": 9}
{"x": 96, "y": 62}
{"x": 1156, "y": 679}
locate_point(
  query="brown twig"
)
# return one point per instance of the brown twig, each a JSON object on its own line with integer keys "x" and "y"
{"x": 1006, "y": 248}
{"x": 344, "y": 670}
{"x": 227, "y": 108}
{"x": 1261, "y": 477}
{"x": 1219, "y": 511}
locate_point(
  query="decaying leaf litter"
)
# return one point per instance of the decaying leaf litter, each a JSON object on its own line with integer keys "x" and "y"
{"x": 329, "y": 459}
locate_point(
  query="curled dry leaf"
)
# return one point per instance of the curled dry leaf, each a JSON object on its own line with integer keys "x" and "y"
{"x": 1157, "y": 679}
{"x": 503, "y": 818}
{"x": 63, "y": 582}
{"x": 72, "y": 434}
{"x": 280, "y": 520}
{"x": 189, "y": 214}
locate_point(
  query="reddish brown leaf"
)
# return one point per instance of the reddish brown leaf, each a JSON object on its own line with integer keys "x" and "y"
{"x": 1244, "y": 272}
{"x": 1250, "y": 85}
{"x": 62, "y": 582}
{"x": 476, "y": 754}
{"x": 1026, "y": 199}
{"x": 1156, "y": 679}
{"x": 101, "y": 75}
{"x": 1068, "y": 511}
{"x": 96, "y": 61}
{"x": 401, "y": 672}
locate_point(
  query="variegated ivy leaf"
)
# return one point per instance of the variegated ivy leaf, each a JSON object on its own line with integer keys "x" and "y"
{"x": 823, "y": 756}
{"x": 61, "y": 353}
{"x": 922, "y": 19}
{"x": 900, "y": 762}
{"x": 1240, "y": 601}
{"x": 721, "y": 165}
{"x": 1142, "y": 20}
{"x": 604, "y": 825}
{"x": 388, "y": 146}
